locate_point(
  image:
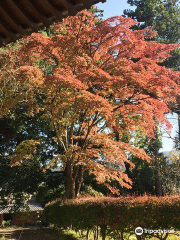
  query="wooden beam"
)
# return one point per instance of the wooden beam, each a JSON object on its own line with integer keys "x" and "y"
{"x": 69, "y": 6}
{"x": 18, "y": 18}
{"x": 23, "y": 15}
{"x": 3, "y": 41}
{"x": 37, "y": 12}
{"x": 47, "y": 4}
{"x": 7, "y": 32}
{"x": 87, "y": 3}
{"x": 11, "y": 21}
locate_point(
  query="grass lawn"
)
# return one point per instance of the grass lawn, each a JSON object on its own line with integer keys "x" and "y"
{"x": 76, "y": 236}
{"x": 51, "y": 234}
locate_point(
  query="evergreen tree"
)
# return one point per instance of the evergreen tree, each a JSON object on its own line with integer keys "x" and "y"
{"x": 159, "y": 177}
{"x": 162, "y": 15}
{"x": 19, "y": 182}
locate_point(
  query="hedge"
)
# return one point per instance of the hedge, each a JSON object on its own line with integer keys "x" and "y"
{"x": 124, "y": 214}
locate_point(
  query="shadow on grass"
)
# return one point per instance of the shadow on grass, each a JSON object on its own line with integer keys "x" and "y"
{"x": 41, "y": 234}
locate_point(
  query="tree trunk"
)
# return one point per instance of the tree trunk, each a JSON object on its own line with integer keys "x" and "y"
{"x": 103, "y": 232}
{"x": 69, "y": 182}
{"x": 178, "y": 143}
{"x": 122, "y": 235}
{"x": 87, "y": 235}
{"x": 73, "y": 180}
{"x": 79, "y": 180}
{"x": 158, "y": 185}
{"x": 158, "y": 179}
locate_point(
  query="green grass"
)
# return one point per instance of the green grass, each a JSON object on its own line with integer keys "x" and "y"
{"x": 72, "y": 235}
{"x": 51, "y": 234}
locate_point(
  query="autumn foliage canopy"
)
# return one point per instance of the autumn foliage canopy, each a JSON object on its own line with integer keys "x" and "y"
{"x": 97, "y": 84}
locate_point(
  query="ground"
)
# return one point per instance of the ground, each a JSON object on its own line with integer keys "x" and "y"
{"x": 49, "y": 234}
{"x": 30, "y": 234}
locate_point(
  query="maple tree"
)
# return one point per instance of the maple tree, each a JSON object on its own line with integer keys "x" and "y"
{"x": 96, "y": 85}
{"x": 164, "y": 17}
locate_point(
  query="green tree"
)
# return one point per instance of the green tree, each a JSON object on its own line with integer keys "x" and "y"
{"x": 19, "y": 182}
{"x": 159, "y": 177}
{"x": 162, "y": 15}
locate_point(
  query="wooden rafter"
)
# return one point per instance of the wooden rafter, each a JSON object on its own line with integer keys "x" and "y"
{"x": 18, "y": 18}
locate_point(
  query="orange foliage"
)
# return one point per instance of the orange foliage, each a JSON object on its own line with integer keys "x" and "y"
{"x": 99, "y": 81}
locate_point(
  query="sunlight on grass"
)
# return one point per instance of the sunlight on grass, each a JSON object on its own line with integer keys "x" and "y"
{"x": 74, "y": 235}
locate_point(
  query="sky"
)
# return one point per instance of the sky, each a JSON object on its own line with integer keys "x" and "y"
{"x": 114, "y": 8}
{"x": 168, "y": 143}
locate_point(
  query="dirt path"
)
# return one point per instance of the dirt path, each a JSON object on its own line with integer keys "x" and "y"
{"x": 30, "y": 233}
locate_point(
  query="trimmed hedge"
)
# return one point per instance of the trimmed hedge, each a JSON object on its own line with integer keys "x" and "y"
{"x": 125, "y": 213}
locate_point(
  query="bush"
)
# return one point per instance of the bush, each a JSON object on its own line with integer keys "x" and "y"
{"x": 88, "y": 191}
{"x": 123, "y": 214}
{"x": 6, "y": 224}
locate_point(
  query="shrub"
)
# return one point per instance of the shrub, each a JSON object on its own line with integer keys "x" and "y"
{"x": 123, "y": 214}
{"x": 6, "y": 223}
{"x": 90, "y": 191}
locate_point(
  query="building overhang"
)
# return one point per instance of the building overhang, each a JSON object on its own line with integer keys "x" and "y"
{"x": 19, "y": 18}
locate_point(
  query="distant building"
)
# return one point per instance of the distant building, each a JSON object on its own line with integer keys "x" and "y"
{"x": 24, "y": 217}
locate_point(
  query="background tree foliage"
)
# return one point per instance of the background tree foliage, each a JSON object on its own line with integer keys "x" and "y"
{"x": 162, "y": 15}
{"x": 19, "y": 182}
